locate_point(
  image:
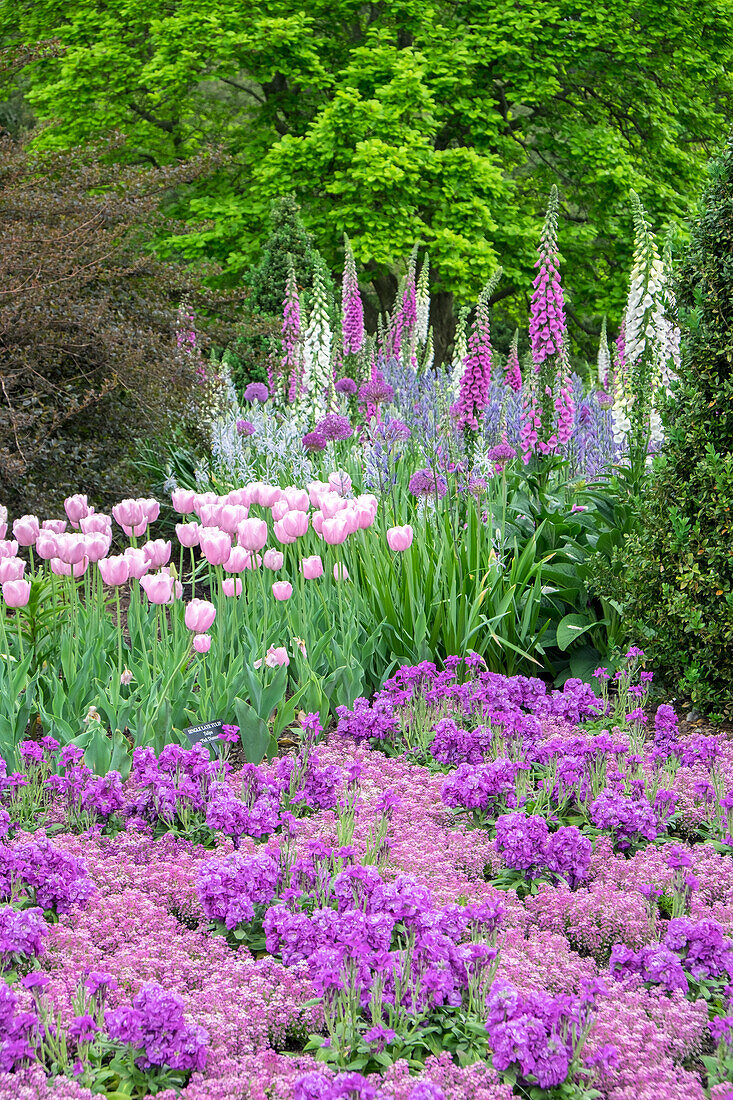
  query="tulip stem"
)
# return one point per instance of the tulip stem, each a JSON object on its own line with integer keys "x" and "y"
{"x": 119, "y": 630}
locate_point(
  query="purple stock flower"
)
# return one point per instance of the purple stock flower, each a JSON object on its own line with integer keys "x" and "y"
{"x": 22, "y": 935}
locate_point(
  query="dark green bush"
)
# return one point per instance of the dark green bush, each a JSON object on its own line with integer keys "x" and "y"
{"x": 679, "y": 567}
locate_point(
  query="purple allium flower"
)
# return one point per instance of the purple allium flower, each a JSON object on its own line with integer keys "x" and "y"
{"x": 256, "y": 391}
{"x": 376, "y": 391}
{"x": 314, "y": 441}
{"x": 425, "y": 483}
{"x": 334, "y": 426}
{"x": 345, "y": 385}
{"x": 245, "y": 427}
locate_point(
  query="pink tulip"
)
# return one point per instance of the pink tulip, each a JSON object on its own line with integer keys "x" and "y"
{"x": 96, "y": 546}
{"x": 399, "y": 538}
{"x": 77, "y": 508}
{"x": 340, "y": 572}
{"x": 64, "y": 569}
{"x": 295, "y": 524}
{"x": 335, "y": 530}
{"x": 151, "y": 509}
{"x": 11, "y": 569}
{"x": 253, "y": 491}
{"x": 177, "y": 586}
{"x": 8, "y": 548}
{"x": 138, "y": 563}
{"x": 281, "y": 534}
{"x": 46, "y": 545}
{"x": 351, "y": 519}
{"x": 158, "y": 552}
{"x": 273, "y": 559}
{"x": 3, "y": 530}
{"x": 115, "y": 570}
{"x": 128, "y": 513}
{"x": 16, "y": 593}
{"x": 239, "y": 496}
{"x": 215, "y": 545}
{"x": 199, "y": 615}
{"x": 296, "y": 499}
{"x": 339, "y": 482}
{"x": 279, "y": 508}
{"x": 252, "y": 534}
{"x": 317, "y": 519}
{"x": 316, "y": 489}
{"x": 26, "y": 530}
{"x": 230, "y": 516}
{"x": 232, "y": 586}
{"x": 158, "y": 587}
{"x": 188, "y": 534}
{"x": 96, "y": 524}
{"x": 275, "y": 657}
{"x": 237, "y": 560}
{"x": 252, "y": 561}
{"x": 200, "y": 500}
{"x": 182, "y": 501}
{"x": 202, "y": 643}
{"x": 282, "y": 590}
{"x": 332, "y": 504}
{"x": 209, "y": 515}
{"x": 71, "y": 548}
{"x": 269, "y": 494}
{"x": 55, "y": 526}
{"x": 364, "y": 516}
{"x": 312, "y": 567}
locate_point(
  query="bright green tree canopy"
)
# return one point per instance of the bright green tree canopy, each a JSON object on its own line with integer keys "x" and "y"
{"x": 402, "y": 121}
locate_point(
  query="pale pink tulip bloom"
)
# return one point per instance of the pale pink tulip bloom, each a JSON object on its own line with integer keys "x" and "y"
{"x": 188, "y": 534}
{"x": 96, "y": 523}
{"x": 332, "y": 504}
{"x": 340, "y": 572}
{"x": 253, "y": 561}
{"x": 209, "y": 515}
{"x": 202, "y": 499}
{"x": 16, "y": 593}
{"x": 282, "y": 590}
{"x": 182, "y": 501}
{"x": 296, "y": 499}
{"x": 317, "y": 522}
{"x": 281, "y": 534}
{"x": 230, "y": 516}
{"x": 26, "y": 530}
{"x": 269, "y": 494}
{"x": 138, "y": 563}
{"x": 295, "y": 524}
{"x": 312, "y": 567}
{"x": 46, "y": 545}
{"x": 96, "y": 546}
{"x": 199, "y": 615}
{"x": 202, "y": 643}
{"x": 128, "y": 513}
{"x": 158, "y": 587}
{"x": 115, "y": 570}
{"x": 351, "y": 519}
{"x": 55, "y": 526}
{"x": 11, "y": 569}
{"x": 72, "y": 548}
{"x": 232, "y": 586}
{"x": 339, "y": 482}
{"x": 215, "y": 545}
{"x": 158, "y": 552}
{"x": 177, "y": 586}
{"x": 237, "y": 560}
{"x": 335, "y": 530}
{"x": 239, "y": 496}
{"x": 274, "y": 658}
{"x": 151, "y": 509}
{"x": 400, "y": 538}
{"x": 65, "y": 569}
{"x": 273, "y": 559}
{"x": 316, "y": 489}
{"x": 77, "y": 508}
{"x": 279, "y": 508}
{"x": 364, "y": 517}
{"x": 8, "y": 548}
{"x": 252, "y": 534}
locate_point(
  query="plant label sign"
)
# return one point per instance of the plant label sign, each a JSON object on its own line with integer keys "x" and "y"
{"x": 206, "y": 734}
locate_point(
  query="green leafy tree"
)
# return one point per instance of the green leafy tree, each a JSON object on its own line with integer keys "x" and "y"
{"x": 403, "y": 121}
{"x": 678, "y": 571}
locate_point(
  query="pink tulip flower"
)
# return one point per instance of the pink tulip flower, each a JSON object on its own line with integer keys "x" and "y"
{"x": 230, "y": 516}
{"x": 182, "y": 501}
{"x": 237, "y": 560}
{"x": 65, "y": 569}
{"x": 188, "y": 534}
{"x": 316, "y": 489}
{"x": 11, "y": 569}
{"x": 55, "y": 526}
{"x": 209, "y": 515}
{"x": 232, "y": 586}
{"x": 77, "y": 508}
{"x": 339, "y": 482}
{"x": 96, "y": 546}
{"x": 281, "y": 534}
{"x": 199, "y": 615}
{"x": 3, "y": 530}
{"x": 151, "y": 509}
{"x": 26, "y": 530}
{"x": 273, "y": 559}
{"x": 312, "y": 567}
{"x": 177, "y": 586}
{"x": 16, "y": 593}
{"x": 158, "y": 552}
{"x": 202, "y": 643}
{"x": 399, "y": 538}
{"x": 295, "y": 524}
{"x": 46, "y": 545}
{"x": 201, "y": 500}
{"x": 340, "y": 572}
{"x": 335, "y": 530}
{"x": 269, "y": 494}
{"x": 97, "y": 523}
{"x": 317, "y": 519}
{"x": 239, "y": 496}
{"x": 115, "y": 570}
{"x": 282, "y": 590}
{"x": 253, "y": 561}
{"x": 274, "y": 658}
{"x": 8, "y": 548}
{"x": 279, "y": 508}
{"x": 351, "y": 519}
{"x": 72, "y": 548}
{"x": 138, "y": 563}
{"x": 128, "y": 513}
{"x": 158, "y": 587}
{"x": 332, "y": 504}
{"x": 252, "y": 534}
{"x": 216, "y": 545}
{"x": 364, "y": 516}
{"x": 297, "y": 500}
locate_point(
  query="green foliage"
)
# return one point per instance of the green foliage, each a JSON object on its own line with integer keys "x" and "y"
{"x": 678, "y": 569}
{"x": 395, "y": 122}
{"x": 288, "y": 242}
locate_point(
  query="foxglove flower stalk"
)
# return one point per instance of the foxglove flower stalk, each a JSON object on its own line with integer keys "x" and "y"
{"x": 604, "y": 359}
{"x": 291, "y": 361}
{"x": 460, "y": 351}
{"x": 512, "y": 371}
{"x": 317, "y": 347}
{"x": 476, "y": 379}
{"x": 422, "y": 304}
{"x": 352, "y": 309}
{"x": 547, "y": 328}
